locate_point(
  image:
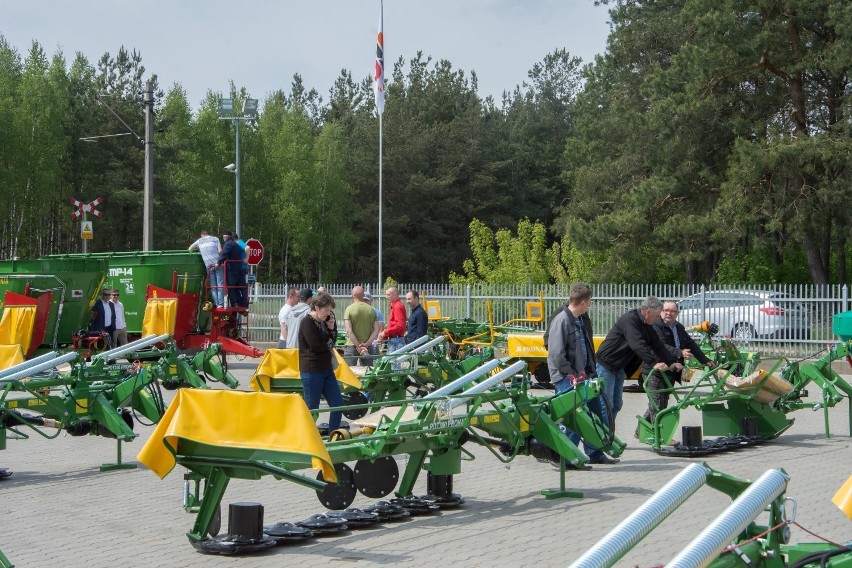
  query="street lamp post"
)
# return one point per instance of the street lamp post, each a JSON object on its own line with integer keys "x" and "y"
{"x": 226, "y": 112}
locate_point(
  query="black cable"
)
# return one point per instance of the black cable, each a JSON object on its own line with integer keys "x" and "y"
{"x": 822, "y": 556}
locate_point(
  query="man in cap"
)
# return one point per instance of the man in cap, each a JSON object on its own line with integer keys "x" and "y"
{"x": 103, "y": 316}
{"x": 231, "y": 258}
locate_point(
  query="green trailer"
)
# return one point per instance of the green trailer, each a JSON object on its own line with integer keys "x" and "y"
{"x": 172, "y": 274}
{"x": 70, "y": 288}
{"x": 130, "y": 273}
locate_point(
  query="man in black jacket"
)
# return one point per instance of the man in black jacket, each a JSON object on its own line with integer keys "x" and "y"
{"x": 103, "y": 317}
{"x": 679, "y": 345}
{"x": 630, "y": 338}
{"x": 231, "y": 258}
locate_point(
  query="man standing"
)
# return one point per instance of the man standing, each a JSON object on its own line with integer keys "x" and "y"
{"x": 681, "y": 346}
{"x": 244, "y": 296}
{"x": 103, "y": 316}
{"x": 231, "y": 258}
{"x": 395, "y": 330}
{"x": 379, "y": 325}
{"x": 630, "y": 338}
{"x": 291, "y": 300}
{"x": 571, "y": 357}
{"x": 359, "y": 320}
{"x": 295, "y": 317}
{"x": 417, "y": 319}
{"x": 209, "y": 247}
{"x": 119, "y": 336}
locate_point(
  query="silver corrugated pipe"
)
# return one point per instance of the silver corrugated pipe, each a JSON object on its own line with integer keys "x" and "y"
{"x": 706, "y": 547}
{"x": 29, "y": 363}
{"x": 38, "y": 368}
{"x": 460, "y": 382}
{"x": 117, "y": 352}
{"x": 608, "y": 550}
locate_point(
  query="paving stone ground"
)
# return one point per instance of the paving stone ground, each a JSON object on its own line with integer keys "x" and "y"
{"x": 59, "y": 510}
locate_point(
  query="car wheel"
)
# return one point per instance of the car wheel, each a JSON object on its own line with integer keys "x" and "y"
{"x": 742, "y": 332}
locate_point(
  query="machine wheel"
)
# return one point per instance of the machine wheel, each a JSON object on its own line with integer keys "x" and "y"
{"x": 376, "y": 478}
{"x": 355, "y": 397}
{"x": 742, "y": 332}
{"x": 542, "y": 373}
{"x": 337, "y": 496}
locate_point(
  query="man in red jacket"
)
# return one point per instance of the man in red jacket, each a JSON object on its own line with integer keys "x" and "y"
{"x": 394, "y": 332}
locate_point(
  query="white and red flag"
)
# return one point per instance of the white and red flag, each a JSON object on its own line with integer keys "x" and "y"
{"x": 379, "y": 75}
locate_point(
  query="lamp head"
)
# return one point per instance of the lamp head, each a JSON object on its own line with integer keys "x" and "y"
{"x": 231, "y": 168}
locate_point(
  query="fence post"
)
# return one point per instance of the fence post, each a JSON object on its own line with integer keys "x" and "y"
{"x": 468, "y": 302}
{"x": 845, "y": 295}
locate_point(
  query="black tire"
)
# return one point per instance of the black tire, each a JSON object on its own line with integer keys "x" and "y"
{"x": 742, "y": 332}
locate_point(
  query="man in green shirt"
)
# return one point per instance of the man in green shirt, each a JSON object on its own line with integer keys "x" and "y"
{"x": 359, "y": 320}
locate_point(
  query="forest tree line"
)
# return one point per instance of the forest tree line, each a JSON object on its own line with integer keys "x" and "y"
{"x": 711, "y": 141}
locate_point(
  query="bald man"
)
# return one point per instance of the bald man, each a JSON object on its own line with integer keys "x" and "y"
{"x": 359, "y": 320}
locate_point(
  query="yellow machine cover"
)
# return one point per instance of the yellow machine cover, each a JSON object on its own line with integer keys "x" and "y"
{"x": 284, "y": 364}
{"x": 843, "y": 498}
{"x": 16, "y": 326}
{"x": 160, "y": 316}
{"x": 10, "y": 355}
{"x": 258, "y": 421}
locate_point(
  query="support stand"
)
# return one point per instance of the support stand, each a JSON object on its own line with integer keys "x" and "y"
{"x": 118, "y": 463}
{"x": 561, "y": 492}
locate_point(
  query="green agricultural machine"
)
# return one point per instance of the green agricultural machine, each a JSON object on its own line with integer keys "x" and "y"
{"x": 492, "y": 406}
{"x": 103, "y": 395}
{"x": 60, "y": 292}
{"x": 412, "y": 371}
{"x": 164, "y": 290}
{"x": 734, "y": 538}
{"x": 745, "y": 401}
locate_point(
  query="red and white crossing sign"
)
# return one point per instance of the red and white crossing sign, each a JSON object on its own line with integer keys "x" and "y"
{"x": 84, "y": 208}
{"x": 254, "y": 251}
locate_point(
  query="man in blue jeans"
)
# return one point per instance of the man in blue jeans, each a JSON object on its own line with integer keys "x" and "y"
{"x": 571, "y": 356}
{"x": 631, "y": 338}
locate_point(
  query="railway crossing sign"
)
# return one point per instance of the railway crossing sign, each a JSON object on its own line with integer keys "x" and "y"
{"x": 254, "y": 252}
{"x": 81, "y": 209}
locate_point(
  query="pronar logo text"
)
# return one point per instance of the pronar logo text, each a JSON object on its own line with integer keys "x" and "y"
{"x": 529, "y": 349}
{"x": 125, "y": 271}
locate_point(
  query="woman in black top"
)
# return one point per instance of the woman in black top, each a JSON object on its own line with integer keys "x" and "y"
{"x": 317, "y": 335}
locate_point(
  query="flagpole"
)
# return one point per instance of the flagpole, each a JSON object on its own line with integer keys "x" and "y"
{"x": 380, "y": 107}
{"x": 380, "y": 202}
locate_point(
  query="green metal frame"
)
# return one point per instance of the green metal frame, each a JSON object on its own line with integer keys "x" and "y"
{"x": 723, "y": 408}
{"x": 91, "y": 394}
{"x": 508, "y": 416}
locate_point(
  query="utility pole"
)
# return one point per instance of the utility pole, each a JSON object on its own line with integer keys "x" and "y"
{"x": 148, "y": 192}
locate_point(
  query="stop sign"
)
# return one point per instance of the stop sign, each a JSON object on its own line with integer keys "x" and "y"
{"x": 254, "y": 251}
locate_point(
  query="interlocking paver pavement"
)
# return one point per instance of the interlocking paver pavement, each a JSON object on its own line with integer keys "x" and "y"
{"x": 59, "y": 510}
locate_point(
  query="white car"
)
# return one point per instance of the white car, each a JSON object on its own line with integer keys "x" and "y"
{"x": 747, "y": 314}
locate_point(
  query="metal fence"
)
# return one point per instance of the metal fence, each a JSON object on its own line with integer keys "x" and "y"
{"x": 817, "y": 304}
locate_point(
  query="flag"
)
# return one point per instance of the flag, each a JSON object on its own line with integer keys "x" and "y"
{"x": 379, "y": 76}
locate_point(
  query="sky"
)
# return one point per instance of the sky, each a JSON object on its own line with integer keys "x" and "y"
{"x": 261, "y": 44}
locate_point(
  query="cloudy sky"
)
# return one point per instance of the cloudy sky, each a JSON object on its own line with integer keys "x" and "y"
{"x": 260, "y": 44}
